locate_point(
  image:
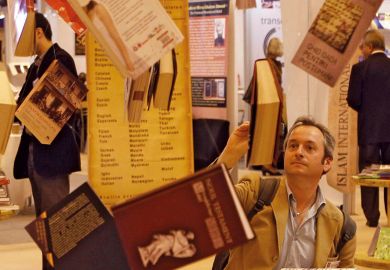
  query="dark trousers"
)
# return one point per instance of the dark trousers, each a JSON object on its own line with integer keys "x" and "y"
{"x": 370, "y": 154}
{"x": 47, "y": 191}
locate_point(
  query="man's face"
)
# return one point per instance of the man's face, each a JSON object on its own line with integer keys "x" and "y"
{"x": 304, "y": 154}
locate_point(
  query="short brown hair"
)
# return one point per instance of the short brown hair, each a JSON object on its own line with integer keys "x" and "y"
{"x": 374, "y": 39}
{"x": 329, "y": 141}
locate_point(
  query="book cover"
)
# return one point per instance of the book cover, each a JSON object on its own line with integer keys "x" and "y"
{"x": 333, "y": 37}
{"x": 79, "y": 233}
{"x": 135, "y": 34}
{"x": 7, "y": 109}
{"x": 22, "y": 26}
{"x": 179, "y": 223}
{"x": 155, "y": 72}
{"x": 138, "y": 93}
{"x": 266, "y": 113}
{"x": 382, "y": 250}
{"x": 166, "y": 81}
{"x": 52, "y": 101}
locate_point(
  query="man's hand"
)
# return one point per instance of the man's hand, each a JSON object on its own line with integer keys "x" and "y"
{"x": 236, "y": 146}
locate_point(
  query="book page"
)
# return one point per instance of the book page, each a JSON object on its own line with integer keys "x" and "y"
{"x": 77, "y": 232}
{"x": 134, "y": 33}
{"x": 51, "y": 102}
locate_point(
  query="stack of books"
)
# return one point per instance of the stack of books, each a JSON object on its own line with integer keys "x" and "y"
{"x": 7, "y": 209}
{"x": 4, "y": 194}
{"x": 375, "y": 171}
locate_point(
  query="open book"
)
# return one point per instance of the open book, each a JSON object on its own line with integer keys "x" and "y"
{"x": 7, "y": 109}
{"x": 182, "y": 222}
{"x": 52, "y": 101}
{"x": 266, "y": 113}
{"x": 22, "y": 26}
{"x": 79, "y": 233}
{"x": 135, "y": 34}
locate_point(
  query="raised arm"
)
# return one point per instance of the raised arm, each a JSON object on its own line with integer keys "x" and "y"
{"x": 236, "y": 146}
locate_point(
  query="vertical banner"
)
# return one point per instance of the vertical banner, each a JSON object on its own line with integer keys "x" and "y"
{"x": 333, "y": 37}
{"x": 343, "y": 125}
{"x": 209, "y": 56}
{"x": 261, "y": 24}
{"x": 127, "y": 159}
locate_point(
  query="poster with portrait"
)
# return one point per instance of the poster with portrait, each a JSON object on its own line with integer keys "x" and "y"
{"x": 209, "y": 57}
{"x": 334, "y": 36}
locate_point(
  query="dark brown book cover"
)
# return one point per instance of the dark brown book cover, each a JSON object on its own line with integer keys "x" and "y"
{"x": 182, "y": 222}
{"x": 79, "y": 233}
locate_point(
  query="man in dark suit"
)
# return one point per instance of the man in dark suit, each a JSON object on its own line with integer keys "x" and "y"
{"x": 47, "y": 166}
{"x": 369, "y": 95}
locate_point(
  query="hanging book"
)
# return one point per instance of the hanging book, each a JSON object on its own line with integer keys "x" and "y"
{"x": 7, "y": 109}
{"x": 166, "y": 81}
{"x": 137, "y": 96}
{"x": 22, "y": 26}
{"x": 135, "y": 34}
{"x": 52, "y": 101}
{"x": 66, "y": 12}
{"x": 182, "y": 222}
{"x": 266, "y": 113}
{"x": 78, "y": 233}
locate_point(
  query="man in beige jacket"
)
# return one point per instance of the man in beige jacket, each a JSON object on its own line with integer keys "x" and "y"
{"x": 300, "y": 228}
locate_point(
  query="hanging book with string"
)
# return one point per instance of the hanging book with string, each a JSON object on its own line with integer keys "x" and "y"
{"x": 166, "y": 81}
{"x": 266, "y": 115}
{"x": 7, "y": 109}
{"x": 22, "y": 27}
{"x": 52, "y": 101}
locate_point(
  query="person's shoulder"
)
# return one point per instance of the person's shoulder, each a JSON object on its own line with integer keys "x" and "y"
{"x": 59, "y": 51}
{"x": 332, "y": 211}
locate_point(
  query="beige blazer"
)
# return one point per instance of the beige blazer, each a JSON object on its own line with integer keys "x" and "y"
{"x": 270, "y": 226}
